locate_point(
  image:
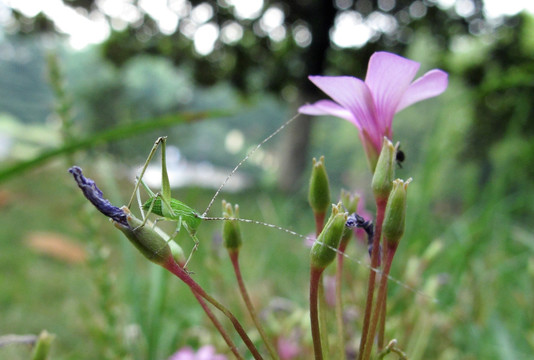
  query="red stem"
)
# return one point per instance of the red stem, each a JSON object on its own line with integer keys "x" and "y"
{"x": 234, "y": 257}
{"x": 382, "y": 293}
{"x": 219, "y": 326}
{"x": 319, "y": 223}
{"x": 174, "y": 268}
{"x": 315, "y": 276}
{"x": 339, "y": 303}
{"x": 382, "y": 323}
{"x": 380, "y": 211}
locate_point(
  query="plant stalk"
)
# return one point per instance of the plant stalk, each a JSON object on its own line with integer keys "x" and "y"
{"x": 186, "y": 278}
{"x": 218, "y": 325}
{"x": 315, "y": 277}
{"x": 339, "y": 303}
{"x": 234, "y": 257}
{"x": 382, "y": 293}
{"x": 319, "y": 223}
{"x": 380, "y": 211}
{"x": 382, "y": 322}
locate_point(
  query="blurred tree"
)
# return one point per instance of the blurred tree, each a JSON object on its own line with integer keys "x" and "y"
{"x": 266, "y": 45}
{"x": 503, "y": 76}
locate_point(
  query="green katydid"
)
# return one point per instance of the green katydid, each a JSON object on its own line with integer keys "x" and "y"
{"x": 168, "y": 208}
{"x": 162, "y": 204}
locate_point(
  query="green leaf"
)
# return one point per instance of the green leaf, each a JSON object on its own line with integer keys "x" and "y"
{"x": 120, "y": 132}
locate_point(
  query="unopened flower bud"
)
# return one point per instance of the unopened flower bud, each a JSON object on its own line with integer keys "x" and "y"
{"x": 41, "y": 350}
{"x": 323, "y": 250}
{"x": 177, "y": 253}
{"x": 231, "y": 232}
{"x": 350, "y": 200}
{"x": 395, "y": 216}
{"x": 384, "y": 171}
{"x": 319, "y": 195}
{"x": 151, "y": 244}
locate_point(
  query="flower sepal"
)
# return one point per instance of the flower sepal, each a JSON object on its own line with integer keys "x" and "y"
{"x": 384, "y": 171}
{"x": 395, "y": 217}
{"x": 323, "y": 251}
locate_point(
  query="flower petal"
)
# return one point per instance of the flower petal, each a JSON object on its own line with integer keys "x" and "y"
{"x": 352, "y": 94}
{"x": 328, "y": 107}
{"x": 388, "y": 77}
{"x": 429, "y": 85}
{"x": 96, "y": 197}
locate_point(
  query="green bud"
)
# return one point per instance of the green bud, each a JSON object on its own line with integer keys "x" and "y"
{"x": 322, "y": 253}
{"x": 384, "y": 171}
{"x": 147, "y": 240}
{"x": 319, "y": 195}
{"x": 41, "y": 349}
{"x": 231, "y": 232}
{"x": 395, "y": 216}
{"x": 350, "y": 201}
{"x": 177, "y": 253}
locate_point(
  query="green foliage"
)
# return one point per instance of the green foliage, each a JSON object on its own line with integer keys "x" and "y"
{"x": 467, "y": 243}
{"x": 104, "y": 137}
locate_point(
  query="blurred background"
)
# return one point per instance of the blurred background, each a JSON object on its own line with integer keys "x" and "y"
{"x": 93, "y": 83}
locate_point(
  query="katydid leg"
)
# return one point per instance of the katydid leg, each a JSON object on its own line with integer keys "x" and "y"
{"x": 161, "y": 140}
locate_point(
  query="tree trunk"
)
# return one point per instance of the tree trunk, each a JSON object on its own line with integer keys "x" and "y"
{"x": 294, "y": 156}
{"x": 294, "y": 153}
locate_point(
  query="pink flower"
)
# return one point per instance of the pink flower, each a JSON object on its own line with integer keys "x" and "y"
{"x": 371, "y": 105}
{"x": 287, "y": 349}
{"x": 206, "y": 352}
{"x": 329, "y": 283}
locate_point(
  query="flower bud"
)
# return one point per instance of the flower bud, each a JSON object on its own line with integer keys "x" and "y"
{"x": 323, "y": 250}
{"x": 151, "y": 244}
{"x": 384, "y": 171}
{"x": 231, "y": 232}
{"x": 177, "y": 253}
{"x": 41, "y": 350}
{"x": 395, "y": 216}
{"x": 319, "y": 195}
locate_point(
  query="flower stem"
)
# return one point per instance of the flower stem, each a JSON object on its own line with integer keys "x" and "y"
{"x": 315, "y": 277}
{"x": 319, "y": 223}
{"x": 339, "y": 302}
{"x": 186, "y": 278}
{"x": 382, "y": 293}
{"x": 234, "y": 257}
{"x": 322, "y": 315}
{"x": 219, "y": 326}
{"x": 380, "y": 211}
{"x": 382, "y": 322}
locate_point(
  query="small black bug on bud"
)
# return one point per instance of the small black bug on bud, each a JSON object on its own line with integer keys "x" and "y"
{"x": 399, "y": 157}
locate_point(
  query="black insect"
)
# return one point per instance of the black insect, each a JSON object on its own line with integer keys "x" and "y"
{"x": 355, "y": 220}
{"x": 399, "y": 157}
